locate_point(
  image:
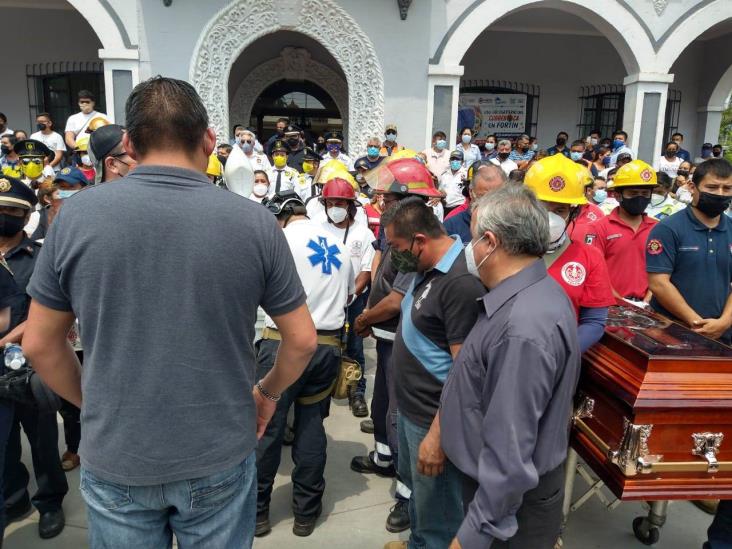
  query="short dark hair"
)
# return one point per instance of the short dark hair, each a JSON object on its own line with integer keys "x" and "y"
{"x": 439, "y": 133}
{"x": 10, "y": 137}
{"x": 411, "y": 216}
{"x": 717, "y": 146}
{"x": 263, "y": 173}
{"x": 663, "y": 179}
{"x": 234, "y": 127}
{"x": 165, "y": 113}
{"x": 563, "y": 133}
{"x": 517, "y": 176}
{"x": 225, "y": 147}
{"x": 3, "y": 117}
{"x": 46, "y": 115}
{"x": 719, "y": 167}
{"x": 466, "y": 128}
{"x": 621, "y": 132}
{"x": 578, "y": 143}
{"x": 596, "y": 131}
{"x": 86, "y": 94}
{"x": 681, "y": 135}
{"x": 283, "y": 119}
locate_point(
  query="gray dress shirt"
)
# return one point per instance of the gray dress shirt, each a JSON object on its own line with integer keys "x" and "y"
{"x": 505, "y": 408}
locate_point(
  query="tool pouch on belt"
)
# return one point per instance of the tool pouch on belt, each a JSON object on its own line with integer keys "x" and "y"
{"x": 349, "y": 374}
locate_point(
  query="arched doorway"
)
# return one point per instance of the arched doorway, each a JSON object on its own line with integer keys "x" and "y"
{"x": 230, "y": 33}
{"x": 302, "y": 102}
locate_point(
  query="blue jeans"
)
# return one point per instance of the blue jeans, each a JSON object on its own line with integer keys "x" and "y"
{"x": 354, "y": 343}
{"x": 436, "y": 505}
{"x": 720, "y": 531}
{"x": 214, "y": 511}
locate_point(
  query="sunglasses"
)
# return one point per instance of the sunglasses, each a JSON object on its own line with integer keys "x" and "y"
{"x": 27, "y": 161}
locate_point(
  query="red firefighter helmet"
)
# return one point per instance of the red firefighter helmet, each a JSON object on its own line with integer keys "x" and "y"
{"x": 338, "y": 188}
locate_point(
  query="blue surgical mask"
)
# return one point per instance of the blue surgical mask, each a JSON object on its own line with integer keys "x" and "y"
{"x": 574, "y": 155}
{"x": 391, "y": 137}
{"x": 455, "y": 165}
{"x": 64, "y": 194}
{"x": 618, "y": 143}
{"x": 599, "y": 196}
{"x": 490, "y": 146}
{"x": 606, "y": 161}
{"x": 466, "y": 139}
{"x": 535, "y": 147}
{"x": 441, "y": 144}
{"x": 333, "y": 148}
{"x": 372, "y": 151}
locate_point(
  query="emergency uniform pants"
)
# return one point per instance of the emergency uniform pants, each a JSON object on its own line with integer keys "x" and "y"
{"x": 383, "y": 404}
{"x": 309, "y": 447}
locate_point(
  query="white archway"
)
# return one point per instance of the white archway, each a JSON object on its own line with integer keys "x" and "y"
{"x": 292, "y": 64}
{"x": 240, "y": 24}
{"x": 696, "y": 24}
{"x": 107, "y": 25}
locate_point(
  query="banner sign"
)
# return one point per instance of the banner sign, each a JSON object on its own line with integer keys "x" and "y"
{"x": 503, "y": 114}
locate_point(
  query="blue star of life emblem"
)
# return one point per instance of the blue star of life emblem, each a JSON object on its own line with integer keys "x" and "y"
{"x": 325, "y": 255}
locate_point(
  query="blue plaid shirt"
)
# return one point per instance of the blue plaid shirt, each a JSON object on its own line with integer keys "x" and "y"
{"x": 520, "y": 157}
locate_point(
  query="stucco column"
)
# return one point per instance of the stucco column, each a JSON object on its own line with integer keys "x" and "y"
{"x": 121, "y": 74}
{"x": 709, "y": 120}
{"x": 442, "y": 100}
{"x": 645, "y": 112}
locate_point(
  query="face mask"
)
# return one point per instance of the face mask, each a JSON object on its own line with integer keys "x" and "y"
{"x": 280, "y": 161}
{"x": 41, "y": 127}
{"x": 712, "y": 205}
{"x": 524, "y": 149}
{"x": 293, "y": 142}
{"x": 4, "y": 149}
{"x": 455, "y": 165}
{"x": 359, "y": 177}
{"x": 636, "y": 205}
{"x": 86, "y": 160}
{"x": 280, "y": 131}
{"x": 683, "y": 173}
{"x": 372, "y": 151}
{"x": 671, "y": 154}
{"x": 391, "y": 137}
{"x": 260, "y": 189}
{"x": 657, "y": 199}
{"x": 490, "y": 146}
{"x": 337, "y": 215}
{"x": 561, "y": 141}
{"x": 334, "y": 148}
{"x": 606, "y": 161}
{"x": 466, "y": 139}
{"x": 617, "y": 143}
{"x": 63, "y": 194}
{"x": 307, "y": 167}
{"x": 593, "y": 141}
{"x": 10, "y": 225}
{"x": 247, "y": 148}
{"x": 32, "y": 170}
{"x": 684, "y": 195}
{"x": 441, "y": 144}
{"x": 503, "y": 156}
{"x": 405, "y": 261}
{"x": 535, "y": 147}
{"x": 574, "y": 155}
{"x": 222, "y": 159}
{"x": 474, "y": 268}
{"x": 557, "y": 230}
{"x": 599, "y": 196}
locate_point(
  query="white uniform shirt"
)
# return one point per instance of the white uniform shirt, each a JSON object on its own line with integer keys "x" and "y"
{"x": 325, "y": 271}
{"x": 78, "y": 122}
{"x": 669, "y": 167}
{"x": 358, "y": 245}
{"x": 341, "y": 156}
{"x": 288, "y": 179}
{"x": 304, "y": 187}
{"x": 256, "y": 199}
{"x": 53, "y": 141}
{"x": 452, "y": 185}
{"x": 259, "y": 162}
{"x": 507, "y": 165}
{"x": 7, "y": 131}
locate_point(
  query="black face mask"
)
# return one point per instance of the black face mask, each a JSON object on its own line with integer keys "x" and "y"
{"x": 41, "y": 127}
{"x": 503, "y": 156}
{"x": 10, "y": 225}
{"x": 280, "y": 132}
{"x": 561, "y": 141}
{"x": 293, "y": 142}
{"x": 636, "y": 205}
{"x": 683, "y": 173}
{"x": 222, "y": 159}
{"x": 5, "y": 149}
{"x": 713, "y": 205}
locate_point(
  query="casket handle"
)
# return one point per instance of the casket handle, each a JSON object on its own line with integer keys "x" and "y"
{"x": 707, "y": 445}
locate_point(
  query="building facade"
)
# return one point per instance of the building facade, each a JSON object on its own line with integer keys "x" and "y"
{"x": 652, "y": 67}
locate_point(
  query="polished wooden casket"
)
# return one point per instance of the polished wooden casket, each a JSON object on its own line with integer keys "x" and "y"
{"x": 653, "y": 416}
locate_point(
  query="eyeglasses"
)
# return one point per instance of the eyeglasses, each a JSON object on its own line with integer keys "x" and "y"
{"x": 27, "y": 161}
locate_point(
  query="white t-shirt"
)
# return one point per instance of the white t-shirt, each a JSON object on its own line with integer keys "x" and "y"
{"x": 53, "y": 141}
{"x": 507, "y": 165}
{"x": 7, "y": 131}
{"x": 326, "y": 273}
{"x": 78, "y": 122}
{"x": 316, "y": 213}
{"x": 669, "y": 167}
{"x": 452, "y": 185}
{"x": 358, "y": 245}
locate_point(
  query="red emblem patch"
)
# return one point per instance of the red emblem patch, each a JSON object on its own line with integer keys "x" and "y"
{"x": 574, "y": 273}
{"x": 646, "y": 175}
{"x": 556, "y": 183}
{"x": 654, "y": 247}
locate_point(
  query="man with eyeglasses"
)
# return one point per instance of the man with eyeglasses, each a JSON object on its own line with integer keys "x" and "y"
{"x": 109, "y": 157}
{"x": 248, "y": 142}
{"x": 77, "y": 123}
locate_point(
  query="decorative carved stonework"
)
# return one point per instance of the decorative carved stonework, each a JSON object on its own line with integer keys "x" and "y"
{"x": 292, "y": 64}
{"x": 403, "y": 8}
{"x": 660, "y": 6}
{"x": 240, "y": 24}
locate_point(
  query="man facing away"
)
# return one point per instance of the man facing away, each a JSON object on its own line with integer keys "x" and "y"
{"x": 170, "y": 408}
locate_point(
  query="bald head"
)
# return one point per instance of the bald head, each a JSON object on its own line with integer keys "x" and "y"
{"x": 486, "y": 179}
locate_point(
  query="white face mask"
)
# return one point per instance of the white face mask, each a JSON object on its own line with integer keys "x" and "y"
{"x": 86, "y": 160}
{"x": 657, "y": 199}
{"x": 557, "y": 230}
{"x": 684, "y": 195}
{"x": 337, "y": 215}
{"x": 473, "y": 267}
{"x": 260, "y": 190}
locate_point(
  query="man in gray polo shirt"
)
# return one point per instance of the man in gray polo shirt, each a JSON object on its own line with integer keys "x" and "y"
{"x": 167, "y": 308}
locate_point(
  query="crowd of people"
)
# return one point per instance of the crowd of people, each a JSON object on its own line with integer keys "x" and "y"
{"x": 482, "y": 270}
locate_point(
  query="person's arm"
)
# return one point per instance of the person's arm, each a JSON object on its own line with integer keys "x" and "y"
{"x": 56, "y": 158}
{"x": 387, "y": 308}
{"x": 5, "y": 315}
{"x": 70, "y": 138}
{"x": 590, "y": 326}
{"x": 299, "y": 341}
{"x": 375, "y": 264}
{"x": 47, "y": 348}
{"x": 362, "y": 281}
{"x": 671, "y": 299}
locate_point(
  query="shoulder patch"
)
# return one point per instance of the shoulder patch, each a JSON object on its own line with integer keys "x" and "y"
{"x": 589, "y": 238}
{"x": 574, "y": 273}
{"x": 655, "y": 247}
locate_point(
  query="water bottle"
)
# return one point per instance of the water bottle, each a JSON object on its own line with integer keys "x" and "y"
{"x": 14, "y": 358}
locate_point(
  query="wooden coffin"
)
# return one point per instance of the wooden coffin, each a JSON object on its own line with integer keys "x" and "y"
{"x": 653, "y": 417}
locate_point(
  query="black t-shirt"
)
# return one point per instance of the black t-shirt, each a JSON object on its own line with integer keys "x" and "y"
{"x": 439, "y": 311}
